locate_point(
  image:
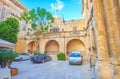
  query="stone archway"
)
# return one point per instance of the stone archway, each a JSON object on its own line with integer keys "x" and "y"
{"x": 32, "y": 47}
{"x": 52, "y": 47}
{"x": 75, "y": 45}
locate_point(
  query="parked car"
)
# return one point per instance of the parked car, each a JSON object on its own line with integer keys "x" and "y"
{"x": 75, "y": 58}
{"x": 40, "y": 58}
{"x": 23, "y": 56}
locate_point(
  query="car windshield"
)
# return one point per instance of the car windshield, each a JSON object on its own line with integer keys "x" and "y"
{"x": 39, "y": 55}
{"x": 75, "y": 55}
{"x": 23, "y": 54}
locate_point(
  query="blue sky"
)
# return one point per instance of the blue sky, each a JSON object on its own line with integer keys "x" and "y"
{"x": 70, "y": 9}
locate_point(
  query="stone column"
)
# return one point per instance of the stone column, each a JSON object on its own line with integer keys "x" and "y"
{"x": 92, "y": 49}
{"x": 113, "y": 30}
{"x": 116, "y": 20}
{"x": 116, "y": 17}
{"x": 109, "y": 25}
{"x": 92, "y": 53}
{"x": 104, "y": 67}
{"x": 86, "y": 52}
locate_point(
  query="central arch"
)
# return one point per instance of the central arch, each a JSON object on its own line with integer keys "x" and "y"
{"x": 75, "y": 45}
{"x": 52, "y": 47}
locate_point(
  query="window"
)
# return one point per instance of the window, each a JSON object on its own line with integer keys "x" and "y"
{"x": 75, "y": 55}
{"x": 3, "y": 13}
{"x": 54, "y": 30}
{"x": 119, "y": 2}
{"x": 50, "y": 30}
{"x": 90, "y": 0}
{"x": 24, "y": 28}
{"x": 74, "y": 28}
{"x": 0, "y": 10}
{"x": 62, "y": 30}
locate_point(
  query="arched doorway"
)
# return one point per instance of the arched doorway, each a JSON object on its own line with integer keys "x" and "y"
{"x": 75, "y": 45}
{"x": 32, "y": 47}
{"x": 52, "y": 47}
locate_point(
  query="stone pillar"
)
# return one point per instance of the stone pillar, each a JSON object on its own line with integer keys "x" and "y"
{"x": 104, "y": 67}
{"x": 111, "y": 26}
{"x": 86, "y": 53}
{"x": 116, "y": 17}
{"x": 92, "y": 53}
{"x": 92, "y": 49}
{"x": 116, "y": 20}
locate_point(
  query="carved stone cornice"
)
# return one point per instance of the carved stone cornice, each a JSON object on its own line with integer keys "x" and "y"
{"x": 20, "y": 5}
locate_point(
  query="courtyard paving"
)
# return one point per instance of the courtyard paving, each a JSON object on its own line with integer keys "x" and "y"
{"x": 51, "y": 70}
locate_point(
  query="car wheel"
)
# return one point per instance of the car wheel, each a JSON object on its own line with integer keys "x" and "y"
{"x": 70, "y": 63}
{"x": 43, "y": 61}
{"x": 81, "y": 63}
{"x": 21, "y": 59}
{"x": 50, "y": 59}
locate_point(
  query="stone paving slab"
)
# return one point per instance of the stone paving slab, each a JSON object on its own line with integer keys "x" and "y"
{"x": 51, "y": 70}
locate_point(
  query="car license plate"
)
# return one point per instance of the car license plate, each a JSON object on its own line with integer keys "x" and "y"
{"x": 35, "y": 58}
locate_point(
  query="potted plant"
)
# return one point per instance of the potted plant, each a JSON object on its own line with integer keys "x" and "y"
{"x": 6, "y": 58}
{"x": 10, "y": 59}
{"x": 3, "y": 57}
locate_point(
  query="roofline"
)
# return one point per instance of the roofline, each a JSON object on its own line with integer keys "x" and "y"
{"x": 20, "y": 5}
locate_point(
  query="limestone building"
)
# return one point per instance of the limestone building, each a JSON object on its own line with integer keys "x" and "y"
{"x": 63, "y": 36}
{"x": 13, "y": 8}
{"x": 102, "y": 22}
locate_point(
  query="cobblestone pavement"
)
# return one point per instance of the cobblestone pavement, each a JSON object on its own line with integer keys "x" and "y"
{"x": 52, "y": 70}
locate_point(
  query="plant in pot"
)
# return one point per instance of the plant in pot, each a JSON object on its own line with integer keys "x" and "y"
{"x": 3, "y": 57}
{"x": 6, "y": 58}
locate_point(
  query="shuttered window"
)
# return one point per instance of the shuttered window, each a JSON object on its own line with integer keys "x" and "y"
{"x": 3, "y": 13}
{"x": 119, "y": 2}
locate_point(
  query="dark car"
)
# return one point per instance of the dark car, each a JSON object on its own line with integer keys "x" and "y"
{"x": 40, "y": 58}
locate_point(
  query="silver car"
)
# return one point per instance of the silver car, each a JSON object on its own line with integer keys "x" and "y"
{"x": 75, "y": 58}
{"x": 22, "y": 57}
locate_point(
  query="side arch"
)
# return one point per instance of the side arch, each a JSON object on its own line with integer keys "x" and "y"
{"x": 31, "y": 47}
{"x": 75, "y": 45}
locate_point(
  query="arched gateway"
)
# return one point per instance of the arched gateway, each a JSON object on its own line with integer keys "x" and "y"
{"x": 75, "y": 45}
{"x": 52, "y": 47}
{"x": 32, "y": 47}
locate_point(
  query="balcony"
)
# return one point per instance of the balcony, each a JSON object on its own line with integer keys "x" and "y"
{"x": 65, "y": 34}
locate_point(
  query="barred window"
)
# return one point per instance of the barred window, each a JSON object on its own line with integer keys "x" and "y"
{"x": 54, "y": 30}
{"x": 3, "y": 13}
{"x": 90, "y": 0}
{"x": 62, "y": 30}
{"x": 0, "y": 11}
{"x": 24, "y": 28}
{"x": 74, "y": 29}
{"x": 119, "y": 2}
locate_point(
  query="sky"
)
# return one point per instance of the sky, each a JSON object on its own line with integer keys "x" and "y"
{"x": 69, "y": 9}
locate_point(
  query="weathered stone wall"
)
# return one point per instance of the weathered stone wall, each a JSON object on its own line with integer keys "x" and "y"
{"x": 104, "y": 17}
{"x": 20, "y": 45}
